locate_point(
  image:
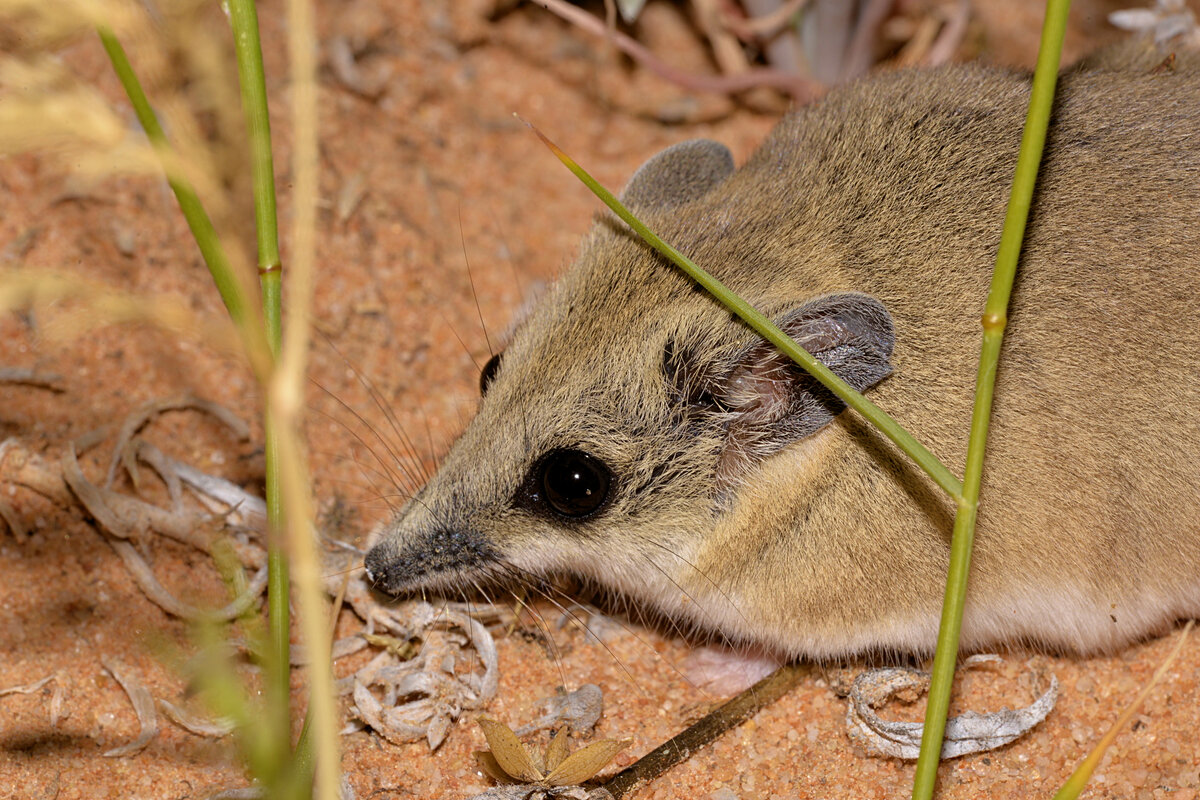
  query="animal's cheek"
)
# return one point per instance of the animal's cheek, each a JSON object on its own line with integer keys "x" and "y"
{"x": 543, "y": 553}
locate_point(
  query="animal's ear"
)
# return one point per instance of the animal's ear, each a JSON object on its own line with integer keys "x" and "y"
{"x": 772, "y": 401}
{"x": 679, "y": 174}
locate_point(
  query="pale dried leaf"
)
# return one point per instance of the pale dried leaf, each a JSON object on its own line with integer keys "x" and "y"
{"x": 28, "y": 688}
{"x": 1134, "y": 19}
{"x": 558, "y": 749}
{"x": 435, "y": 734}
{"x": 491, "y": 767}
{"x": 134, "y": 422}
{"x": 154, "y": 591}
{"x": 371, "y": 711}
{"x": 510, "y": 754}
{"x": 581, "y": 709}
{"x": 143, "y": 704}
{"x": 92, "y": 497}
{"x": 1167, "y": 20}
{"x": 57, "y": 699}
{"x": 583, "y": 764}
{"x": 194, "y": 723}
{"x": 432, "y": 693}
{"x": 630, "y": 9}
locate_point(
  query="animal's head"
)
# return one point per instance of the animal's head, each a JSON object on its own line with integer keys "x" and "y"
{"x": 629, "y": 407}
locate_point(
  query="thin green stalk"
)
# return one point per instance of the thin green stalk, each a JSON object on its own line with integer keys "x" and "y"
{"x": 252, "y": 79}
{"x": 243, "y": 17}
{"x": 1075, "y": 785}
{"x": 254, "y": 108}
{"x": 995, "y": 317}
{"x": 769, "y": 331}
{"x": 279, "y": 631}
{"x": 203, "y": 231}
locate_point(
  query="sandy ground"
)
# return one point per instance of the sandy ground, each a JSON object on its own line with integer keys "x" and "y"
{"x": 430, "y": 173}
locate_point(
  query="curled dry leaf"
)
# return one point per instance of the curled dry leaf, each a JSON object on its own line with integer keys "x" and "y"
{"x": 630, "y": 9}
{"x": 194, "y": 723}
{"x": 405, "y": 696}
{"x": 969, "y": 733}
{"x": 56, "y": 697}
{"x": 122, "y": 517}
{"x": 28, "y": 688}
{"x": 136, "y": 420}
{"x": 1167, "y": 20}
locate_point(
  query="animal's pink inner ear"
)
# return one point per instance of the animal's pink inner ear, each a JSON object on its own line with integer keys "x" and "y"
{"x": 760, "y": 389}
{"x": 773, "y": 402}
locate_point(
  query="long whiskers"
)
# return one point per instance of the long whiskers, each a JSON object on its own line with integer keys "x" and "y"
{"x": 395, "y": 467}
{"x": 410, "y": 450}
{"x": 716, "y": 586}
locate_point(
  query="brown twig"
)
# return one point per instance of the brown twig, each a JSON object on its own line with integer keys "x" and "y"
{"x": 679, "y": 748}
{"x": 751, "y": 29}
{"x": 801, "y": 89}
{"x": 861, "y": 53}
{"x": 951, "y": 36}
{"x": 29, "y": 377}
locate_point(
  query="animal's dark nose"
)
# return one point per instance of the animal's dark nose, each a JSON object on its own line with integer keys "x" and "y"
{"x": 376, "y": 564}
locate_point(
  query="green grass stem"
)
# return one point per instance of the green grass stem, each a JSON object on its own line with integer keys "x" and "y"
{"x": 268, "y": 754}
{"x": 769, "y": 331}
{"x": 995, "y": 318}
{"x": 243, "y": 17}
{"x": 233, "y": 294}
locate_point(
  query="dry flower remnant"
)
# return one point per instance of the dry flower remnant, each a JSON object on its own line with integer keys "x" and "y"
{"x": 421, "y": 690}
{"x": 555, "y": 773}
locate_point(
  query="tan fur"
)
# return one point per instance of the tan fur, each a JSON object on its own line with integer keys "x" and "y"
{"x": 894, "y": 187}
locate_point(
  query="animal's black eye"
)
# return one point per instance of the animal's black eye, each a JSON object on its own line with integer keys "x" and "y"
{"x": 573, "y": 483}
{"x": 488, "y": 372}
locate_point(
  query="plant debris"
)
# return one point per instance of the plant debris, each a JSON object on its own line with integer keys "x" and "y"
{"x": 193, "y": 723}
{"x": 143, "y": 704}
{"x": 971, "y": 732}
{"x": 424, "y": 676}
{"x": 1167, "y": 20}
{"x": 421, "y": 693}
{"x": 28, "y": 688}
{"x": 707, "y": 729}
{"x": 580, "y": 710}
{"x": 555, "y": 773}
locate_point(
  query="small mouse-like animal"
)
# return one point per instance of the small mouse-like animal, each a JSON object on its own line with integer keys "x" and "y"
{"x": 637, "y": 435}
